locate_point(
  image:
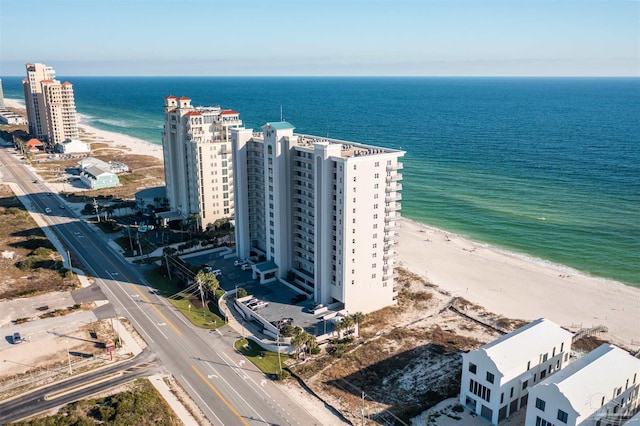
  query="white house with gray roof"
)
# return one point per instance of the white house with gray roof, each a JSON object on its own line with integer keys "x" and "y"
{"x": 496, "y": 378}
{"x": 599, "y": 389}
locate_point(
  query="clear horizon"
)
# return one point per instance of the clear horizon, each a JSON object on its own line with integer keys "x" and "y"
{"x": 286, "y": 38}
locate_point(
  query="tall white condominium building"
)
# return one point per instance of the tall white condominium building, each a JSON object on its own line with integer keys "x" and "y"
{"x": 599, "y": 389}
{"x": 198, "y": 159}
{"x": 496, "y": 378}
{"x": 321, "y": 212}
{"x": 1, "y": 96}
{"x": 51, "y": 108}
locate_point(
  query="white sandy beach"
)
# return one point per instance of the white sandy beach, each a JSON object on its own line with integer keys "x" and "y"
{"x": 508, "y": 284}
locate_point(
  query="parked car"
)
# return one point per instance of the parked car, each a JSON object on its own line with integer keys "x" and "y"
{"x": 252, "y": 300}
{"x": 206, "y": 268}
{"x": 245, "y": 266}
{"x": 62, "y": 206}
{"x": 259, "y": 305}
{"x": 237, "y": 262}
{"x": 17, "y": 338}
{"x": 216, "y": 272}
{"x": 47, "y": 210}
{"x": 298, "y": 298}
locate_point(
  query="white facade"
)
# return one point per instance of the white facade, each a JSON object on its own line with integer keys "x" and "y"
{"x": 323, "y": 210}
{"x": 599, "y": 389}
{"x": 198, "y": 159}
{"x": 51, "y": 109}
{"x": 34, "y": 99}
{"x": 62, "y": 122}
{"x": 496, "y": 378}
{"x": 72, "y": 146}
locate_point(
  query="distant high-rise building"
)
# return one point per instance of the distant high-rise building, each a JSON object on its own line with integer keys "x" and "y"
{"x": 51, "y": 109}
{"x": 1, "y": 96}
{"x": 321, "y": 212}
{"x": 198, "y": 160}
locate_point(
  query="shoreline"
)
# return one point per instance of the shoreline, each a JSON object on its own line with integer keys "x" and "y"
{"x": 511, "y": 284}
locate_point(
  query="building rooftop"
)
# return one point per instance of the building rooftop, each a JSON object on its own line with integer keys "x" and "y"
{"x": 595, "y": 375}
{"x": 513, "y": 350}
{"x": 280, "y": 125}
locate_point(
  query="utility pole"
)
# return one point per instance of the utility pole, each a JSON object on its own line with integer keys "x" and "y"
{"x": 66, "y": 342}
{"x": 69, "y": 257}
{"x": 362, "y": 408}
{"x": 166, "y": 259}
{"x": 130, "y": 240}
{"x": 279, "y": 361}
{"x": 201, "y": 296}
{"x": 96, "y": 208}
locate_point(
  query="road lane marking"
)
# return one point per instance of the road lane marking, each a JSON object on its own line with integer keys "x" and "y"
{"x": 233, "y": 410}
{"x": 203, "y": 401}
{"x": 178, "y": 332}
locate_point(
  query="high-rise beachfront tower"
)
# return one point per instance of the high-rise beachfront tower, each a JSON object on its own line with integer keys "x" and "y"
{"x": 62, "y": 122}
{"x": 198, "y": 165}
{"x": 319, "y": 212}
{"x": 51, "y": 109}
{"x": 1, "y": 96}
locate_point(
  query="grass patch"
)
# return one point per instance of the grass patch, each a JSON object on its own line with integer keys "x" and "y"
{"x": 142, "y": 404}
{"x": 211, "y": 317}
{"x": 266, "y": 361}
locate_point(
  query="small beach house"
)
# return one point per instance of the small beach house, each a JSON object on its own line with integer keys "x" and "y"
{"x": 599, "y": 389}
{"x": 497, "y": 377}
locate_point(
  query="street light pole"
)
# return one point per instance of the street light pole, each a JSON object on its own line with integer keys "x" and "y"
{"x": 66, "y": 343}
{"x": 69, "y": 257}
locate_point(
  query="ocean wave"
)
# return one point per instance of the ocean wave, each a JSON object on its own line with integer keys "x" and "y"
{"x": 111, "y": 122}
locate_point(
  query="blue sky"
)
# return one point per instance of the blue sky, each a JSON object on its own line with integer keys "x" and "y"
{"x": 307, "y": 37}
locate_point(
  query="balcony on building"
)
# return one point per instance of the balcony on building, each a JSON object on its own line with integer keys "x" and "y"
{"x": 394, "y": 178}
{"x": 393, "y": 208}
{"x": 397, "y": 166}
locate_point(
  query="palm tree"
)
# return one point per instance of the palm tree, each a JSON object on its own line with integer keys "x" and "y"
{"x": 208, "y": 282}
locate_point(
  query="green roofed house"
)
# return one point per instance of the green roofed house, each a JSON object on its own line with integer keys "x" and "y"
{"x": 97, "y": 178}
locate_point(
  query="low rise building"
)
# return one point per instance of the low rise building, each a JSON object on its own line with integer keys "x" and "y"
{"x": 98, "y": 178}
{"x": 72, "y": 146}
{"x": 10, "y": 117}
{"x": 599, "y": 389}
{"x": 497, "y": 377}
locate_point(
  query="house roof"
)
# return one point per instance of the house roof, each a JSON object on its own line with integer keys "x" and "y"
{"x": 280, "y": 125}
{"x": 170, "y": 97}
{"x": 229, "y": 112}
{"x": 593, "y": 376}
{"x": 33, "y": 142}
{"x": 193, "y": 113}
{"x": 513, "y": 350}
{"x": 97, "y": 171}
{"x": 184, "y": 98}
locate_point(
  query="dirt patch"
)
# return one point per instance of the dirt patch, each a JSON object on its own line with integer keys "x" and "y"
{"x": 408, "y": 358}
{"x": 29, "y": 265}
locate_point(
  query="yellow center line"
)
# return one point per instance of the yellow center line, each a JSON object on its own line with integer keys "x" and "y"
{"x": 219, "y": 395}
{"x": 178, "y": 332}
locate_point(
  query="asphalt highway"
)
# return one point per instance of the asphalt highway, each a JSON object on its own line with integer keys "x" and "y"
{"x": 228, "y": 388}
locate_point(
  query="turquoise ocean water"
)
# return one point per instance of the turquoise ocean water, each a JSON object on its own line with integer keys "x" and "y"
{"x": 546, "y": 167}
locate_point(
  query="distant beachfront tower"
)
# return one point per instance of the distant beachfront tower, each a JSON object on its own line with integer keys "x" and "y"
{"x": 198, "y": 165}
{"x": 599, "y": 389}
{"x": 51, "y": 108}
{"x": 319, "y": 212}
{"x": 62, "y": 122}
{"x": 1, "y": 96}
{"x": 496, "y": 378}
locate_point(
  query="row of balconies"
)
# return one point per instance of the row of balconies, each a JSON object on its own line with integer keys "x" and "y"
{"x": 395, "y": 207}
{"x": 393, "y": 188}
{"x": 396, "y": 166}
{"x": 393, "y": 198}
{"x": 394, "y": 178}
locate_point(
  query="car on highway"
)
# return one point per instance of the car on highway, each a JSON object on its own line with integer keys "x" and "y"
{"x": 47, "y": 210}
{"x": 245, "y": 266}
{"x": 16, "y": 338}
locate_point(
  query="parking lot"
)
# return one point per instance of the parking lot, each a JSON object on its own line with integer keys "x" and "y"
{"x": 278, "y": 296}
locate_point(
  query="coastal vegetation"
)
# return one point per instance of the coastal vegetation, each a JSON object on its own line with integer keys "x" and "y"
{"x": 140, "y": 404}
{"x": 30, "y": 264}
